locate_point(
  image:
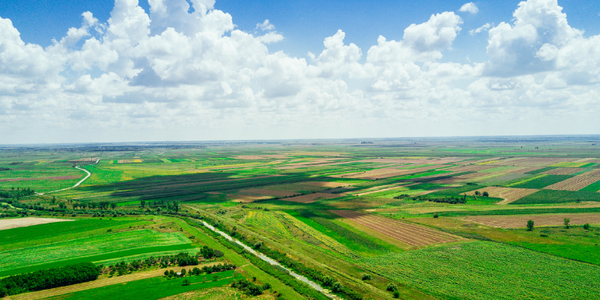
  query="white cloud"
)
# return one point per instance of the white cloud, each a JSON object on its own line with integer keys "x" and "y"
{"x": 469, "y": 7}
{"x": 515, "y": 49}
{"x": 184, "y": 72}
{"x": 264, "y": 26}
{"x": 484, "y": 27}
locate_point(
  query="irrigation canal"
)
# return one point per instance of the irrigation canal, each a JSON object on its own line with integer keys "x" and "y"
{"x": 273, "y": 262}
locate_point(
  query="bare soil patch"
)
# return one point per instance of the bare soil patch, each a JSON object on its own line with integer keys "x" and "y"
{"x": 267, "y": 192}
{"x": 539, "y": 220}
{"x": 41, "y": 178}
{"x": 508, "y": 194}
{"x": 415, "y": 235}
{"x": 385, "y": 173}
{"x": 563, "y": 171}
{"x": 25, "y": 222}
{"x": 266, "y": 156}
{"x": 310, "y": 198}
{"x": 471, "y": 168}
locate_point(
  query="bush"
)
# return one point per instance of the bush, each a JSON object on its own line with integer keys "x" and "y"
{"x": 396, "y": 294}
{"x": 391, "y": 287}
{"x": 366, "y": 277}
{"x": 586, "y": 226}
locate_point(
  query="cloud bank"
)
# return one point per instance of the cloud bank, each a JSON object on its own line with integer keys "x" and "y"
{"x": 177, "y": 73}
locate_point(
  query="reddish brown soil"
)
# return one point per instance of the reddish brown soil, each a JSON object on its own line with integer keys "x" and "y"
{"x": 415, "y": 235}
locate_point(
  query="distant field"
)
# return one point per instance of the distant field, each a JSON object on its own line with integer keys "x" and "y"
{"x": 485, "y": 270}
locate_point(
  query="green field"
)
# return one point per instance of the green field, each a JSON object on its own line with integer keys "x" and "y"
{"x": 553, "y": 196}
{"x": 485, "y": 270}
{"x": 539, "y": 181}
{"x": 100, "y": 247}
{"x": 154, "y": 288}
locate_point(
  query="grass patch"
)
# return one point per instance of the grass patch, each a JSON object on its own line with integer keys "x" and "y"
{"x": 153, "y": 288}
{"x": 90, "y": 246}
{"x": 458, "y": 271}
{"x": 101, "y": 258}
{"x": 60, "y": 231}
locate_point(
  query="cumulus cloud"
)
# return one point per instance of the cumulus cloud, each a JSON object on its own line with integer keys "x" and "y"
{"x": 469, "y": 7}
{"x": 484, "y": 27}
{"x": 184, "y": 70}
{"x": 517, "y": 49}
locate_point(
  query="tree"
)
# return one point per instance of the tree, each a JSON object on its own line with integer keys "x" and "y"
{"x": 143, "y": 204}
{"x": 336, "y": 287}
{"x": 366, "y": 277}
{"x": 530, "y": 225}
{"x": 113, "y": 205}
{"x": 391, "y": 287}
{"x": 567, "y": 221}
{"x": 396, "y": 294}
{"x": 485, "y": 194}
{"x": 586, "y": 226}
{"x": 477, "y": 193}
{"x": 185, "y": 282}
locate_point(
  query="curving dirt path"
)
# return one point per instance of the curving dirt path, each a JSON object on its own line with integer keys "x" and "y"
{"x": 76, "y": 185}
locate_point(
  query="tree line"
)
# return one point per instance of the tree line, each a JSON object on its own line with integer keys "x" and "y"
{"x": 47, "y": 279}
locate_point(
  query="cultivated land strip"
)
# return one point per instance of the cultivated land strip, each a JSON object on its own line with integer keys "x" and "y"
{"x": 411, "y": 234}
{"x": 539, "y": 220}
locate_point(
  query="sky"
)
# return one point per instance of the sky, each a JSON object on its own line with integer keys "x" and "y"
{"x": 176, "y": 70}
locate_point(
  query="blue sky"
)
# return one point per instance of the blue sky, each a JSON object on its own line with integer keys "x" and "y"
{"x": 125, "y": 72}
{"x": 304, "y": 23}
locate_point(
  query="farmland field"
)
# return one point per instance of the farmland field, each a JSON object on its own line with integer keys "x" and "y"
{"x": 539, "y": 220}
{"x": 498, "y": 275}
{"x": 364, "y": 214}
{"x": 408, "y": 233}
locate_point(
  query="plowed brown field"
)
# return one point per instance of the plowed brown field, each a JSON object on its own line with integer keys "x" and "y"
{"x": 415, "y": 235}
{"x": 539, "y": 220}
{"x": 574, "y": 183}
{"x": 563, "y": 171}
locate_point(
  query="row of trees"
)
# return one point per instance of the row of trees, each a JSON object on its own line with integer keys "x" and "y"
{"x": 16, "y": 193}
{"x": 181, "y": 259}
{"x": 197, "y": 271}
{"x": 47, "y": 279}
{"x": 450, "y": 200}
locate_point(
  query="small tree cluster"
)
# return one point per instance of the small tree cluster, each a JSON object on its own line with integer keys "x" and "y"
{"x": 249, "y": 288}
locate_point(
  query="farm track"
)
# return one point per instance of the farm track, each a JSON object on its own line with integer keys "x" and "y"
{"x": 76, "y": 185}
{"x": 411, "y": 234}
